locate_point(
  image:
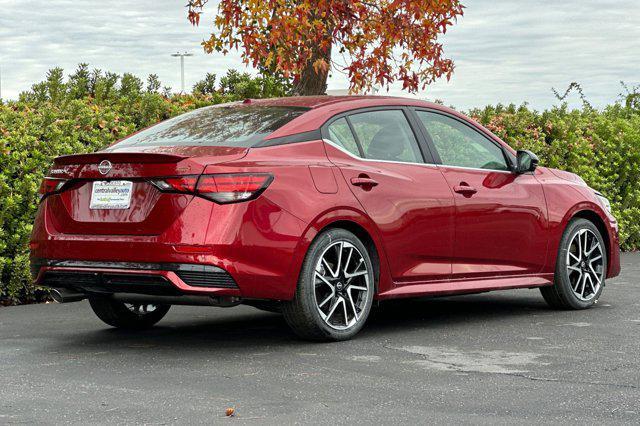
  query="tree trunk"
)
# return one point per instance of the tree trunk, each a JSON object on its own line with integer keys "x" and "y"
{"x": 311, "y": 82}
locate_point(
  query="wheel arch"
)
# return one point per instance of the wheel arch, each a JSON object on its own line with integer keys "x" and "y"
{"x": 598, "y": 222}
{"x": 364, "y": 236}
{"x": 362, "y": 227}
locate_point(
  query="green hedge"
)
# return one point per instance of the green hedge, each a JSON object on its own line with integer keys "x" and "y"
{"x": 91, "y": 110}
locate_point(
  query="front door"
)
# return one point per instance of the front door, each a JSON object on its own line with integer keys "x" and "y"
{"x": 501, "y": 226}
{"x": 410, "y": 201}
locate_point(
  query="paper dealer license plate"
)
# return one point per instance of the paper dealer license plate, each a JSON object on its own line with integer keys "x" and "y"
{"x": 113, "y": 194}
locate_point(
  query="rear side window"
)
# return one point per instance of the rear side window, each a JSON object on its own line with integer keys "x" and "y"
{"x": 386, "y": 135}
{"x": 239, "y": 126}
{"x": 340, "y": 133}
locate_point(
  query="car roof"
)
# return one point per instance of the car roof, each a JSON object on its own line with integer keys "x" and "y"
{"x": 322, "y": 108}
{"x": 314, "y": 102}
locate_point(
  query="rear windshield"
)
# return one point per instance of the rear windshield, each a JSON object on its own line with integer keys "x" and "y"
{"x": 241, "y": 126}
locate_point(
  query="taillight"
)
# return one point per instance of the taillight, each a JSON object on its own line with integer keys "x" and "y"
{"x": 50, "y": 186}
{"x": 233, "y": 187}
{"x": 221, "y": 188}
{"x": 176, "y": 184}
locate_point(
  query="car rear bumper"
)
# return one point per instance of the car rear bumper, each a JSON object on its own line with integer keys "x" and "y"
{"x": 169, "y": 280}
{"x": 255, "y": 244}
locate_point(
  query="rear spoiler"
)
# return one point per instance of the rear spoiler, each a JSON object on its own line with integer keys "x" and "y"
{"x": 118, "y": 157}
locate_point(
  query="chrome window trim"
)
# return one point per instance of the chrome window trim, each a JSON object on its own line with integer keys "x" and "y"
{"x": 475, "y": 168}
{"x": 335, "y": 145}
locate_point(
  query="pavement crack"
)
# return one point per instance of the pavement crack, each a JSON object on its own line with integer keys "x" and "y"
{"x": 577, "y": 382}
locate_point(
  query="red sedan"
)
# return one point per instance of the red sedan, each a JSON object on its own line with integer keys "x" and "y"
{"x": 315, "y": 207}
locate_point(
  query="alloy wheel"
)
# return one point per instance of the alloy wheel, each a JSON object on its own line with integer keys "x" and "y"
{"x": 585, "y": 265}
{"x": 140, "y": 309}
{"x": 341, "y": 282}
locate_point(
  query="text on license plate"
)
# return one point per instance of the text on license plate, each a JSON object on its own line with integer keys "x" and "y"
{"x": 113, "y": 194}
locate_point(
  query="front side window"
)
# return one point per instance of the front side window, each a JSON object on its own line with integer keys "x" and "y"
{"x": 460, "y": 145}
{"x": 386, "y": 135}
{"x": 240, "y": 126}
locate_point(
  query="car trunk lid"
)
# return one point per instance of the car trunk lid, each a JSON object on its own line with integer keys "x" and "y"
{"x": 110, "y": 193}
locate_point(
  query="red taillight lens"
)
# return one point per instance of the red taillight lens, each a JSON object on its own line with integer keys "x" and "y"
{"x": 176, "y": 184}
{"x": 233, "y": 187}
{"x": 50, "y": 185}
{"x": 221, "y": 188}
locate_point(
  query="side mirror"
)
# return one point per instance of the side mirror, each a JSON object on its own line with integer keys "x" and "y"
{"x": 527, "y": 161}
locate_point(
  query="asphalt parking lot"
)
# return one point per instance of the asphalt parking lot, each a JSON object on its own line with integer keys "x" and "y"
{"x": 491, "y": 358}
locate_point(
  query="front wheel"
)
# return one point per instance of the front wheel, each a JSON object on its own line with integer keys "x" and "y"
{"x": 335, "y": 290}
{"x": 127, "y": 315}
{"x": 581, "y": 267}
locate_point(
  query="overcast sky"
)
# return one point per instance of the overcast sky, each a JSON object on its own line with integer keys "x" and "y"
{"x": 505, "y": 51}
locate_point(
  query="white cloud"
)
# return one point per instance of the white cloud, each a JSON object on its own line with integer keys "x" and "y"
{"x": 518, "y": 50}
{"x": 506, "y": 52}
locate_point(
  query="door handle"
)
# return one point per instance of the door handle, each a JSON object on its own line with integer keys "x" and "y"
{"x": 464, "y": 189}
{"x": 363, "y": 181}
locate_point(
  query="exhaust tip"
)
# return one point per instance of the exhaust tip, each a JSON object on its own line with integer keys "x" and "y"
{"x": 63, "y": 295}
{"x": 56, "y": 295}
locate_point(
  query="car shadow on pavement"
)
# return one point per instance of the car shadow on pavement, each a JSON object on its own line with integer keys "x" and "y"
{"x": 445, "y": 312}
{"x": 253, "y": 329}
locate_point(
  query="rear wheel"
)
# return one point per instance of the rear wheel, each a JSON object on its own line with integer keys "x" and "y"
{"x": 581, "y": 268}
{"x": 335, "y": 290}
{"x": 127, "y": 315}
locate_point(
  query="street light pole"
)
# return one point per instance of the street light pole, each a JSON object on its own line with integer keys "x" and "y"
{"x": 181, "y": 56}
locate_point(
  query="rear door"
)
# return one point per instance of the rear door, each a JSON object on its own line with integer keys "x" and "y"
{"x": 408, "y": 198}
{"x": 500, "y": 216}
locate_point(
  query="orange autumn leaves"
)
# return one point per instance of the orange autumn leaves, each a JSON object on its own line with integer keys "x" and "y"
{"x": 374, "y": 42}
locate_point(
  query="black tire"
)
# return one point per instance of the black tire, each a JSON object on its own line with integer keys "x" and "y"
{"x": 117, "y": 314}
{"x": 561, "y": 295}
{"x": 302, "y": 314}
